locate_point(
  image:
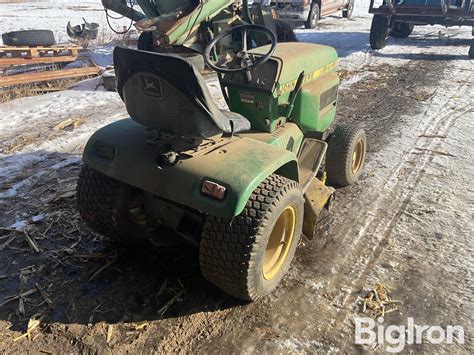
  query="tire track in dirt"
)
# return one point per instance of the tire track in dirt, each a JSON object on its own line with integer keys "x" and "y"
{"x": 367, "y": 254}
{"x": 374, "y": 198}
{"x": 373, "y": 237}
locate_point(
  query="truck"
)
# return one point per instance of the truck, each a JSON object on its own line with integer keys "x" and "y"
{"x": 308, "y": 12}
{"x": 395, "y": 18}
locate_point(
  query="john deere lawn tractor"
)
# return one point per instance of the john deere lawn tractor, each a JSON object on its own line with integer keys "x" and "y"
{"x": 241, "y": 185}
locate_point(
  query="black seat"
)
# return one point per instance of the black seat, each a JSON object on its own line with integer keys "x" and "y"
{"x": 168, "y": 93}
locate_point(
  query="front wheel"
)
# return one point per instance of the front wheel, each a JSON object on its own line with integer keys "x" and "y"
{"x": 348, "y": 10}
{"x": 401, "y": 30}
{"x": 345, "y": 156}
{"x": 313, "y": 18}
{"x": 248, "y": 255}
{"x": 110, "y": 207}
{"x": 378, "y": 32}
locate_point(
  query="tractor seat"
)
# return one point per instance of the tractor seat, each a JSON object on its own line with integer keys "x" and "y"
{"x": 167, "y": 93}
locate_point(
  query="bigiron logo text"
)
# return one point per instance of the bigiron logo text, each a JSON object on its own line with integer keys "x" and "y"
{"x": 395, "y": 337}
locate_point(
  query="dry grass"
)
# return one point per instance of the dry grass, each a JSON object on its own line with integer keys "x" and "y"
{"x": 34, "y": 89}
{"x": 16, "y": 92}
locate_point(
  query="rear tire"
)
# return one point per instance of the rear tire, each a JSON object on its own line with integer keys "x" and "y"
{"x": 348, "y": 10}
{"x": 233, "y": 251}
{"x": 29, "y": 38}
{"x": 378, "y": 32}
{"x": 401, "y": 30}
{"x": 345, "y": 156}
{"x": 106, "y": 205}
{"x": 313, "y": 17}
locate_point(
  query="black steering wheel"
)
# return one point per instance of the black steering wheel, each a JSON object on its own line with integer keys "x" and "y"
{"x": 241, "y": 61}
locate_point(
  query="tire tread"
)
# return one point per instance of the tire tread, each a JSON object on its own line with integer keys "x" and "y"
{"x": 229, "y": 245}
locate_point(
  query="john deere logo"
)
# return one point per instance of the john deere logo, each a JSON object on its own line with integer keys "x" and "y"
{"x": 151, "y": 86}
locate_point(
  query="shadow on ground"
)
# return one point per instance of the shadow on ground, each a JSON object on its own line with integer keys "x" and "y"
{"x": 86, "y": 279}
{"x": 347, "y": 43}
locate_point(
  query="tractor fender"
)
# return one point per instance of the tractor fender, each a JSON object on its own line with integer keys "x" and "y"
{"x": 123, "y": 151}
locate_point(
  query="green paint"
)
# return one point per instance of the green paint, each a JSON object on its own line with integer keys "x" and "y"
{"x": 308, "y": 111}
{"x": 266, "y": 110}
{"x": 240, "y": 165}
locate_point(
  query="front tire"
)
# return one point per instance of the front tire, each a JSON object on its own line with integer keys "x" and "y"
{"x": 401, "y": 30}
{"x": 345, "y": 158}
{"x": 348, "y": 10}
{"x": 378, "y": 32}
{"x": 313, "y": 18}
{"x": 248, "y": 255}
{"x": 110, "y": 207}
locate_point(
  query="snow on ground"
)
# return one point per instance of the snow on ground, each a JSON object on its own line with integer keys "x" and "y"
{"x": 411, "y": 213}
{"x": 54, "y": 15}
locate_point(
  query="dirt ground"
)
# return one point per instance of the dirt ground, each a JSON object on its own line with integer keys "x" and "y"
{"x": 405, "y": 224}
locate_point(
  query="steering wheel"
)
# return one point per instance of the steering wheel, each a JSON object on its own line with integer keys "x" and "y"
{"x": 241, "y": 61}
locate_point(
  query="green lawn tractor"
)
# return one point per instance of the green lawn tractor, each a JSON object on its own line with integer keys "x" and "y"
{"x": 241, "y": 185}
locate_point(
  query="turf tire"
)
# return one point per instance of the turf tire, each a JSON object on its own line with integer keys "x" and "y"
{"x": 103, "y": 204}
{"x": 232, "y": 249}
{"x": 341, "y": 146}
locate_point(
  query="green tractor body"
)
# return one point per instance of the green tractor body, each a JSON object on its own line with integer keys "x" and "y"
{"x": 265, "y": 99}
{"x": 226, "y": 181}
{"x": 271, "y": 145}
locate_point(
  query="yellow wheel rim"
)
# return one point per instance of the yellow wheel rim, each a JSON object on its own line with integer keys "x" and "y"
{"x": 358, "y": 156}
{"x": 279, "y": 243}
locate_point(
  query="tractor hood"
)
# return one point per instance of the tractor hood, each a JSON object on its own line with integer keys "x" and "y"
{"x": 293, "y": 58}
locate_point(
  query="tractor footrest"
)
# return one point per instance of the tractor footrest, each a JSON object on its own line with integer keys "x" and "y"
{"x": 310, "y": 156}
{"x": 317, "y": 197}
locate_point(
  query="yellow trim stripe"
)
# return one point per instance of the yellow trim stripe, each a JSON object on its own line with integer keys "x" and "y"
{"x": 307, "y": 78}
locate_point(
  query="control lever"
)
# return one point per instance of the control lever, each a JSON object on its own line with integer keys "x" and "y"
{"x": 293, "y": 94}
